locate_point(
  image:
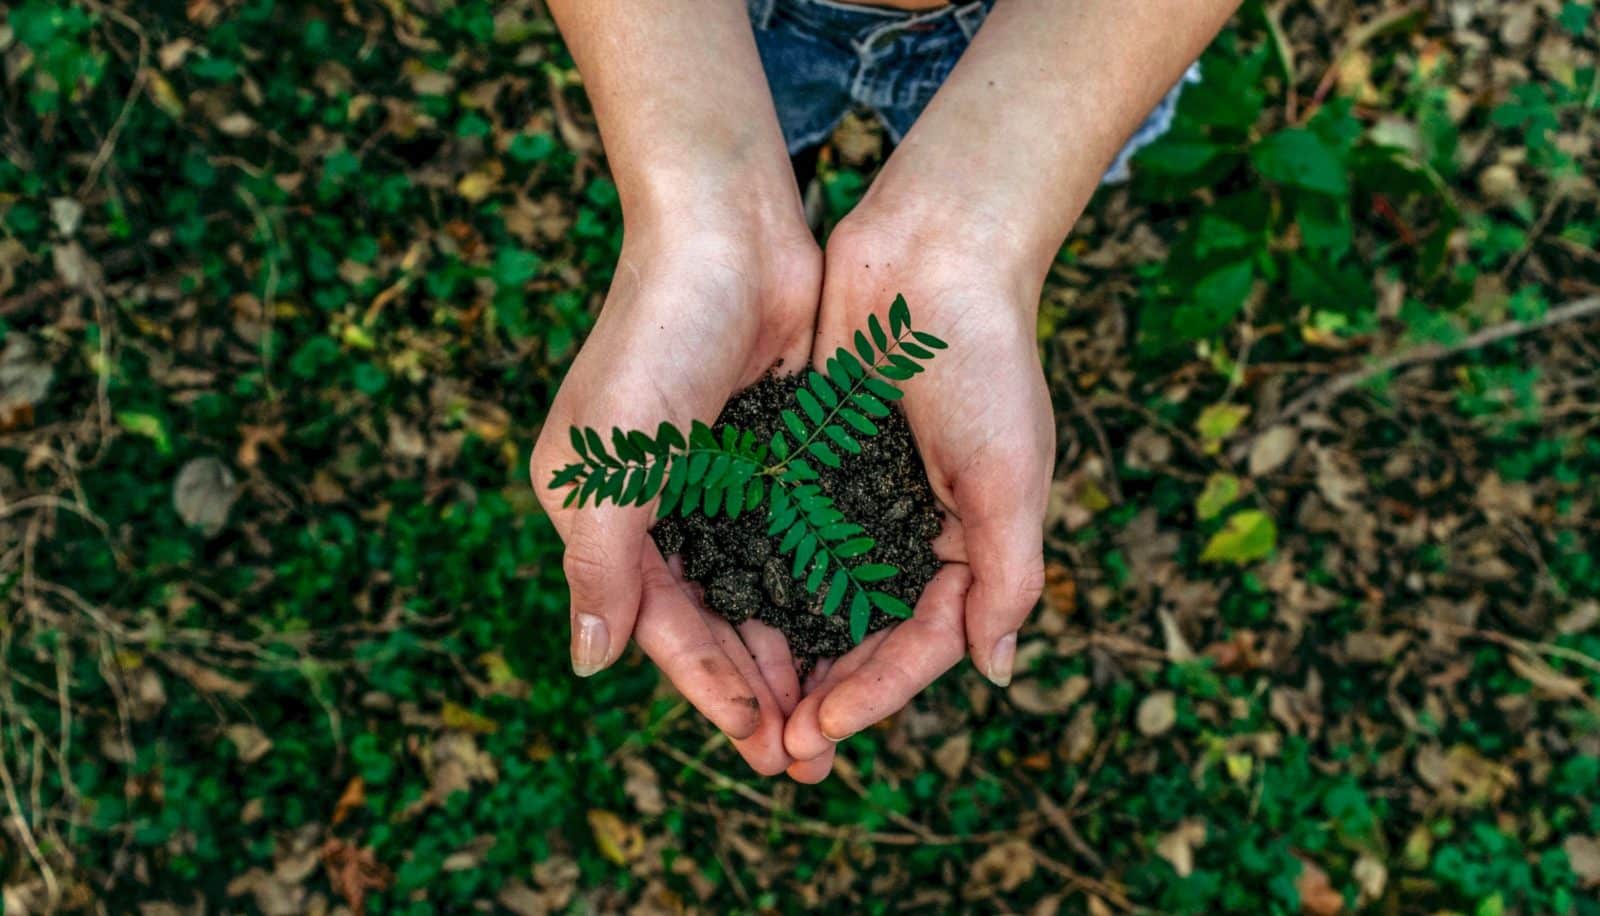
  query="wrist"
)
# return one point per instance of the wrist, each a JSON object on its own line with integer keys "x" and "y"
{"x": 931, "y": 245}
{"x": 746, "y": 186}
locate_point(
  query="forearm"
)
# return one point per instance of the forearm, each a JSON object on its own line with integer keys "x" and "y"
{"x": 683, "y": 105}
{"x": 1017, "y": 139}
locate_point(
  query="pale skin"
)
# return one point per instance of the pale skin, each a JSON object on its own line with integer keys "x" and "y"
{"x": 720, "y": 279}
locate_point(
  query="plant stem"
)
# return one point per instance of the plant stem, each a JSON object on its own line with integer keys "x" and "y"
{"x": 844, "y": 399}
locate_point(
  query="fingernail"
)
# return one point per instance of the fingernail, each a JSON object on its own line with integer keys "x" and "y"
{"x": 1002, "y": 658}
{"x": 590, "y": 646}
{"x": 832, "y": 738}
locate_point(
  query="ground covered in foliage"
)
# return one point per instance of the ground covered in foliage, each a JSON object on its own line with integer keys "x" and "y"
{"x": 284, "y": 288}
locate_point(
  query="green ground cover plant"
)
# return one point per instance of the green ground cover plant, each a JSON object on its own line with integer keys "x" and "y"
{"x": 285, "y": 289}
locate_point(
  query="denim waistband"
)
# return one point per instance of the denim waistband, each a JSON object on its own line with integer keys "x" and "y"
{"x": 869, "y": 24}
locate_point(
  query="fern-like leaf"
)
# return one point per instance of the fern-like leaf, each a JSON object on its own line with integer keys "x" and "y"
{"x": 728, "y": 471}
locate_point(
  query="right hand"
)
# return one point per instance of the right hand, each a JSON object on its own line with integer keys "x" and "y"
{"x": 693, "y": 315}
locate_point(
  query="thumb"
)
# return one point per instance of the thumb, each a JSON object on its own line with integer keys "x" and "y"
{"x": 1005, "y": 549}
{"x": 604, "y": 550}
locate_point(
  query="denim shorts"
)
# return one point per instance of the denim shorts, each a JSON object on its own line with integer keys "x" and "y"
{"x": 824, "y": 58}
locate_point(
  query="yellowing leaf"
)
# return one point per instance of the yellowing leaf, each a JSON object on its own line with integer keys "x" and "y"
{"x": 619, "y": 841}
{"x": 1248, "y": 536}
{"x": 357, "y": 337}
{"x": 1091, "y": 497}
{"x": 1218, "y": 422}
{"x": 1240, "y": 766}
{"x": 1220, "y": 492}
{"x": 461, "y": 718}
{"x": 498, "y": 670}
{"x": 475, "y": 186}
{"x": 162, "y": 93}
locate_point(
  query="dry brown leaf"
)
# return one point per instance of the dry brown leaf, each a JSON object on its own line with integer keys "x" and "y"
{"x": 1004, "y": 867}
{"x": 1583, "y": 854}
{"x": 1060, "y": 589}
{"x": 559, "y": 876}
{"x": 1179, "y": 844}
{"x": 203, "y": 493}
{"x": 643, "y": 787}
{"x": 353, "y": 871}
{"x": 1178, "y": 648}
{"x": 205, "y": 679}
{"x": 354, "y": 796}
{"x": 251, "y": 741}
{"x": 1079, "y": 739}
{"x": 1271, "y": 449}
{"x": 1545, "y": 679}
{"x": 454, "y": 763}
{"x": 1158, "y": 712}
{"x": 1317, "y": 895}
{"x": 1339, "y": 478}
{"x": 522, "y": 900}
{"x": 952, "y": 756}
{"x": 273, "y": 896}
{"x": 1032, "y": 696}
{"x": 1372, "y": 876}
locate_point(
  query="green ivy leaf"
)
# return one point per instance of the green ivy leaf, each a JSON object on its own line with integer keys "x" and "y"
{"x": 1302, "y": 158}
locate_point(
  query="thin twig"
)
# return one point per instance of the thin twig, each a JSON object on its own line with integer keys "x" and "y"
{"x": 25, "y": 833}
{"x": 1572, "y": 311}
{"x": 107, "y": 146}
{"x": 1362, "y": 34}
{"x": 1280, "y": 41}
{"x": 790, "y": 823}
{"x": 786, "y": 818}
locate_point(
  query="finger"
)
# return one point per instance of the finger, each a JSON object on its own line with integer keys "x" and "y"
{"x": 770, "y": 650}
{"x": 810, "y": 772}
{"x": 604, "y": 551}
{"x": 1004, "y": 534}
{"x": 915, "y": 653}
{"x": 763, "y": 750}
{"x": 803, "y": 737}
{"x": 674, "y": 633}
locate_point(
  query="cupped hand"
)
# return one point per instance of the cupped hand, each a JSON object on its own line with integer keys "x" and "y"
{"x": 982, "y": 419}
{"x": 692, "y": 317}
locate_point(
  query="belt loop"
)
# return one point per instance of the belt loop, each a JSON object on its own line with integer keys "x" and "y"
{"x": 761, "y": 12}
{"x": 971, "y": 16}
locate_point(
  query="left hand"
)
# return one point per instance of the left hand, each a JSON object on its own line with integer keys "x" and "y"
{"x": 982, "y": 419}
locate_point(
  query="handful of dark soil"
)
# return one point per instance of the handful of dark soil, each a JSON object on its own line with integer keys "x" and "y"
{"x": 883, "y": 489}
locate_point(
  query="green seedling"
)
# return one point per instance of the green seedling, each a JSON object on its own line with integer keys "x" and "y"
{"x": 731, "y": 472}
